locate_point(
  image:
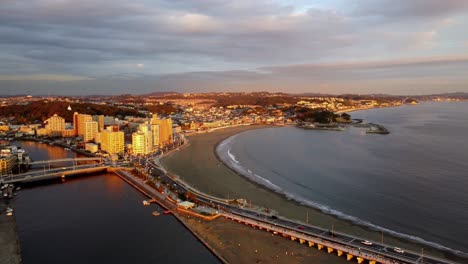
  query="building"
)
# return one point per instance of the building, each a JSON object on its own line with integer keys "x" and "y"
{"x": 112, "y": 142}
{"x": 91, "y": 130}
{"x": 40, "y": 132}
{"x": 142, "y": 141}
{"x": 155, "y": 131}
{"x": 140, "y": 144}
{"x": 55, "y": 126}
{"x": 7, "y": 163}
{"x": 91, "y": 147}
{"x": 68, "y": 133}
{"x": 100, "y": 120}
{"x": 165, "y": 130}
{"x": 79, "y": 123}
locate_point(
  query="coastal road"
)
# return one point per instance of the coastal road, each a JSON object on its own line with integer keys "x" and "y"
{"x": 334, "y": 237}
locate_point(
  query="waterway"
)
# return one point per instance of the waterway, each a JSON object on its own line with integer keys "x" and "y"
{"x": 96, "y": 219}
{"x": 410, "y": 183}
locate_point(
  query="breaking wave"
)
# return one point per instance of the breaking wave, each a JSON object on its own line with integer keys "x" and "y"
{"x": 224, "y": 153}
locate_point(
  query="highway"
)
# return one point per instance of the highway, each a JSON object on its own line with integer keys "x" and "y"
{"x": 375, "y": 249}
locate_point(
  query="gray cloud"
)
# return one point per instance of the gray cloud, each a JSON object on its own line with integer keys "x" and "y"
{"x": 192, "y": 38}
{"x": 411, "y": 76}
{"x": 414, "y": 9}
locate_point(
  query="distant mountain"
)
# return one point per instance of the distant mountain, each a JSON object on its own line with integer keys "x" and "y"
{"x": 455, "y": 94}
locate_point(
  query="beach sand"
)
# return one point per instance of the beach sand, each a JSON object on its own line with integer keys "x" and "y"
{"x": 198, "y": 165}
{"x": 238, "y": 243}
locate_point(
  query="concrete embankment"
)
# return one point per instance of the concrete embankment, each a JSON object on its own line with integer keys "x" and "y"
{"x": 160, "y": 199}
{"x": 10, "y": 251}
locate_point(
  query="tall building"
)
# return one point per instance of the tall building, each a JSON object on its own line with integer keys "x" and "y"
{"x": 140, "y": 144}
{"x": 155, "y": 131}
{"x": 7, "y": 162}
{"x": 79, "y": 123}
{"x": 112, "y": 142}
{"x": 165, "y": 129}
{"x": 142, "y": 141}
{"x": 91, "y": 130}
{"x": 55, "y": 126}
{"x": 100, "y": 120}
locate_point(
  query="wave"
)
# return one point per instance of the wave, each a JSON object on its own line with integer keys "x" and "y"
{"x": 231, "y": 161}
{"x": 233, "y": 158}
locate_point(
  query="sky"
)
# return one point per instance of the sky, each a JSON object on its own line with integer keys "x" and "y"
{"x": 87, "y": 47}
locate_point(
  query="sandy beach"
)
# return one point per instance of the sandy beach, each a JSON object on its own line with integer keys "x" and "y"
{"x": 198, "y": 165}
{"x": 238, "y": 243}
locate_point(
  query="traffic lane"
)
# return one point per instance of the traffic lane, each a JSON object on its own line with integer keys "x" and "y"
{"x": 312, "y": 230}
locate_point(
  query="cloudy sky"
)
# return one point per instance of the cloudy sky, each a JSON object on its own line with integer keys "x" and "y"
{"x": 81, "y": 47}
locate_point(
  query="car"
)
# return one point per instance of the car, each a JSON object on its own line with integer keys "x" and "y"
{"x": 365, "y": 242}
{"x": 398, "y": 250}
{"x": 300, "y": 227}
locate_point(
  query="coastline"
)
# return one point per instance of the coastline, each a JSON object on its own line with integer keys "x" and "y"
{"x": 226, "y": 183}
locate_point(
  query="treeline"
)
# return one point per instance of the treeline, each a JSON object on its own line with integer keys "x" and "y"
{"x": 164, "y": 109}
{"x": 253, "y": 99}
{"x": 39, "y": 111}
{"x": 323, "y": 116}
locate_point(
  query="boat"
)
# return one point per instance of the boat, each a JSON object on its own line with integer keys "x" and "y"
{"x": 167, "y": 212}
{"x": 155, "y": 213}
{"x": 9, "y": 209}
{"x": 5, "y": 195}
{"x": 18, "y": 188}
{"x": 9, "y": 213}
{"x": 146, "y": 203}
{"x": 4, "y": 186}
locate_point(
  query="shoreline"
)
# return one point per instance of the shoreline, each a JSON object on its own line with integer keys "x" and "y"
{"x": 321, "y": 218}
{"x": 145, "y": 190}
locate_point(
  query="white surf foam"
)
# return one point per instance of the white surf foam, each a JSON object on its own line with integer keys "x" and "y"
{"x": 231, "y": 161}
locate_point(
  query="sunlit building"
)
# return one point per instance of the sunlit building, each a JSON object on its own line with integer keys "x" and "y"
{"x": 7, "y": 163}
{"x": 112, "y": 142}
{"x": 91, "y": 130}
{"x": 55, "y": 126}
{"x": 79, "y": 123}
{"x": 165, "y": 129}
{"x": 100, "y": 120}
{"x": 142, "y": 141}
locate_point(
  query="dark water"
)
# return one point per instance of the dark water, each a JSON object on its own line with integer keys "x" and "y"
{"x": 412, "y": 183}
{"x": 97, "y": 219}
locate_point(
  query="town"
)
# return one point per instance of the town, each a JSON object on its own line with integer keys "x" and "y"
{"x": 117, "y": 127}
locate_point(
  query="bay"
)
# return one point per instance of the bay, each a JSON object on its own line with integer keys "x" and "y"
{"x": 411, "y": 183}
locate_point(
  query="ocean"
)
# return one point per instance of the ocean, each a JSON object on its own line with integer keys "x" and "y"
{"x": 411, "y": 183}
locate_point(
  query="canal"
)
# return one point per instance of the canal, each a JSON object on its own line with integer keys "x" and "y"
{"x": 96, "y": 219}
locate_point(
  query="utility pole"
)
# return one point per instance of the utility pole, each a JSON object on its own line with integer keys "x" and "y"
{"x": 422, "y": 255}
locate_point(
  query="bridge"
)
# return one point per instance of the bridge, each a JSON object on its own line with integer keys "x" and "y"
{"x": 313, "y": 236}
{"x": 53, "y": 173}
{"x": 75, "y": 161}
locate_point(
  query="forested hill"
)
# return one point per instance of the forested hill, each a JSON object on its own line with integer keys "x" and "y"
{"x": 39, "y": 111}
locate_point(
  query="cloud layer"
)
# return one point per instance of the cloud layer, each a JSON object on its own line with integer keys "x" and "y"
{"x": 110, "y": 46}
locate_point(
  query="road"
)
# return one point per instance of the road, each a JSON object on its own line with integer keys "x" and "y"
{"x": 376, "y": 249}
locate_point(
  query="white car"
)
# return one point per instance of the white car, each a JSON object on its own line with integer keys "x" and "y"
{"x": 365, "y": 242}
{"x": 398, "y": 250}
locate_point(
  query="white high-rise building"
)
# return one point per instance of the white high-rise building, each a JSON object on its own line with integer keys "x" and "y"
{"x": 142, "y": 141}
